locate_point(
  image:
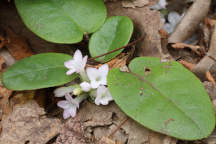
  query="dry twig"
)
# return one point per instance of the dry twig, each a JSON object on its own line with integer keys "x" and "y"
{"x": 206, "y": 63}
{"x": 190, "y": 21}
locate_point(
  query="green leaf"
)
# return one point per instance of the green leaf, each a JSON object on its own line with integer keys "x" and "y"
{"x": 38, "y": 71}
{"x": 164, "y": 97}
{"x": 62, "y": 21}
{"x": 115, "y": 33}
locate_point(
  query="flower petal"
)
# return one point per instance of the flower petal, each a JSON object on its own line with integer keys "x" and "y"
{"x": 92, "y": 73}
{"x": 69, "y": 64}
{"x": 72, "y": 111}
{"x": 84, "y": 61}
{"x": 70, "y": 71}
{"x": 104, "y": 69}
{"x": 85, "y": 86}
{"x": 103, "y": 96}
{"x": 63, "y": 104}
{"x": 77, "y": 56}
{"x": 62, "y": 91}
{"x": 94, "y": 84}
{"x": 72, "y": 101}
{"x": 66, "y": 114}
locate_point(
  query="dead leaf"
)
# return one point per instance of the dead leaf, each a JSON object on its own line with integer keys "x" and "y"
{"x": 22, "y": 97}
{"x": 9, "y": 59}
{"x": 210, "y": 78}
{"x": 17, "y": 45}
{"x": 134, "y": 3}
{"x": 2, "y": 42}
{"x": 25, "y": 126}
{"x": 94, "y": 123}
{"x": 187, "y": 65}
{"x": 106, "y": 140}
{"x": 146, "y": 22}
{"x": 194, "y": 48}
{"x": 119, "y": 61}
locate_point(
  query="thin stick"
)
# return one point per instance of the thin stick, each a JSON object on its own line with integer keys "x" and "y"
{"x": 119, "y": 126}
{"x": 130, "y": 44}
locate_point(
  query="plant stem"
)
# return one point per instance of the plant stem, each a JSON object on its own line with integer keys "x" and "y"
{"x": 130, "y": 44}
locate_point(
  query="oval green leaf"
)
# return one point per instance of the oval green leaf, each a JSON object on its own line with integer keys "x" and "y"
{"x": 164, "y": 97}
{"x": 115, "y": 33}
{"x": 38, "y": 71}
{"x": 62, "y": 21}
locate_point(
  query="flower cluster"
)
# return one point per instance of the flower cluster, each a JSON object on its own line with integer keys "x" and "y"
{"x": 93, "y": 83}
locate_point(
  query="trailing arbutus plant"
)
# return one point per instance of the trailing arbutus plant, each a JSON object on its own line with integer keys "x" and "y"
{"x": 162, "y": 96}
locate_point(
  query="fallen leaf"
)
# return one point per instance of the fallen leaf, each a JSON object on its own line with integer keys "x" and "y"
{"x": 94, "y": 123}
{"x": 25, "y": 126}
{"x": 17, "y": 45}
{"x": 135, "y": 3}
{"x": 119, "y": 61}
{"x": 210, "y": 78}
{"x": 106, "y": 140}
{"x": 146, "y": 22}
{"x": 9, "y": 59}
{"x": 194, "y": 48}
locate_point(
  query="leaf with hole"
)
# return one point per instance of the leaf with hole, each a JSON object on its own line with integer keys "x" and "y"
{"x": 164, "y": 97}
{"x": 62, "y": 21}
{"x": 38, "y": 71}
{"x": 115, "y": 33}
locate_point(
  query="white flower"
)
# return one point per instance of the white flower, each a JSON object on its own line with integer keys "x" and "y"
{"x": 103, "y": 96}
{"x": 85, "y": 86}
{"x": 62, "y": 91}
{"x": 77, "y": 64}
{"x": 69, "y": 105}
{"x": 98, "y": 76}
{"x": 160, "y": 5}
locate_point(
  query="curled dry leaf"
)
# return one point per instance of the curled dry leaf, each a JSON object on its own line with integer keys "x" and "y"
{"x": 208, "y": 61}
{"x": 190, "y": 22}
{"x": 25, "y": 125}
{"x": 119, "y": 61}
{"x": 194, "y": 48}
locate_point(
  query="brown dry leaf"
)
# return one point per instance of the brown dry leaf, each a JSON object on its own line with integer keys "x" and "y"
{"x": 187, "y": 65}
{"x": 93, "y": 123}
{"x": 210, "y": 78}
{"x": 134, "y": 3}
{"x": 195, "y": 48}
{"x": 156, "y": 138}
{"x": 20, "y": 98}
{"x": 4, "y": 94}
{"x": 25, "y": 126}
{"x": 9, "y": 59}
{"x": 147, "y": 23}
{"x": 17, "y": 45}
{"x": 106, "y": 140}
{"x": 4, "y": 101}
{"x": 119, "y": 61}
{"x": 2, "y": 41}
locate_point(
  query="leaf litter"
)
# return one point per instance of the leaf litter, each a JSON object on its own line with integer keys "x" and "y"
{"x": 93, "y": 126}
